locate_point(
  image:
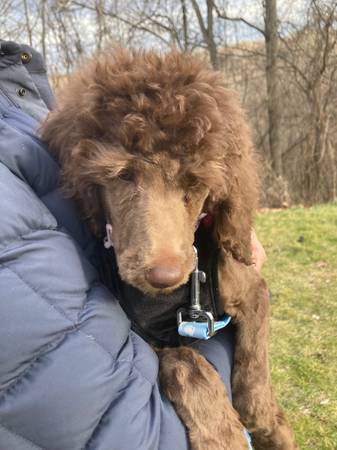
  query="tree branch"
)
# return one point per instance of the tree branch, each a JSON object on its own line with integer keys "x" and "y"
{"x": 225, "y": 16}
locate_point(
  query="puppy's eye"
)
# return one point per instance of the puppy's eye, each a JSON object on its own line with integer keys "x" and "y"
{"x": 126, "y": 175}
{"x": 192, "y": 183}
{"x": 187, "y": 199}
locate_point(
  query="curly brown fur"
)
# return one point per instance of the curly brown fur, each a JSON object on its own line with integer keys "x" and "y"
{"x": 161, "y": 120}
{"x": 245, "y": 296}
{"x": 202, "y": 403}
{"x": 146, "y": 142}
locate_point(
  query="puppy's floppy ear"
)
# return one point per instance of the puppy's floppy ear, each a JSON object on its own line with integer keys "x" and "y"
{"x": 234, "y": 212}
{"x": 85, "y": 170}
{"x": 69, "y": 130}
{"x": 73, "y": 120}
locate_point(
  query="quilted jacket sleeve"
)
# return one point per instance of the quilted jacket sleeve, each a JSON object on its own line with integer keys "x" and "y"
{"x": 72, "y": 373}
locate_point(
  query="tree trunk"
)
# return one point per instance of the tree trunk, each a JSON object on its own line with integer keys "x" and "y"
{"x": 185, "y": 25}
{"x": 28, "y": 25}
{"x": 43, "y": 30}
{"x": 274, "y": 116}
{"x": 212, "y": 47}
{"x": 208, "y": 30}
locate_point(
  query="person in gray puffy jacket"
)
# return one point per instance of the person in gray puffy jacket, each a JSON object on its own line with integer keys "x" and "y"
{"x": 73, "y": 375}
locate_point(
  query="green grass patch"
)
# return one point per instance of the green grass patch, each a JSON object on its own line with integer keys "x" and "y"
{"x": 301, "y": 244}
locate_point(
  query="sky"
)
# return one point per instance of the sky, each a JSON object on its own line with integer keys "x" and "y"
{"x": 229, "y": 32}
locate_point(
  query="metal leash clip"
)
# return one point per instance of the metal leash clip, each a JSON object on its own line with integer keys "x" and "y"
{"x": 192, "y": 320}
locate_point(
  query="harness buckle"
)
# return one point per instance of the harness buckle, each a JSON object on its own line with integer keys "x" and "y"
{"x": 194, "y": 321}
{"x": 198, "y": 324}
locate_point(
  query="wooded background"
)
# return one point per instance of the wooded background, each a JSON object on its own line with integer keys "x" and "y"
{"x": 280, "y": 56}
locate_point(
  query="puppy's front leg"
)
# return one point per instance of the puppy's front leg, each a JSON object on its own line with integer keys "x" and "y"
{"x": 199, "y": 396}
{"x": 245, "y": 298}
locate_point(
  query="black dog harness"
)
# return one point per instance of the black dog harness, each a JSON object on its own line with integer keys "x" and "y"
{"x": 194, "y": 310}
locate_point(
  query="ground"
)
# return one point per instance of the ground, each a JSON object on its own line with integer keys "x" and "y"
{"x": 301, "y": 271}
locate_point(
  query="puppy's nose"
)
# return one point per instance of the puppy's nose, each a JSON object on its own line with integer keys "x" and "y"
{"x": 164, "y": 276}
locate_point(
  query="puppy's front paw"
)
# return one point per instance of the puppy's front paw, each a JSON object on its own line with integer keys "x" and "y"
{"x": 182, "y": 370}
{"x": 199, "y": 396}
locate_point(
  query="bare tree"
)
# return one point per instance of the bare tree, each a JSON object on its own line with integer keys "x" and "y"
{"x": 311, "y": 61}
{"x": 272, "y": 77}
{"x": 207, "y": 29}
{"x": 43, "y": 29}
{"x": 185, "y": 25}
{"x": 270, "y": 35}
{"x": 285, "y": 71}
{"x": 28, "y": 25}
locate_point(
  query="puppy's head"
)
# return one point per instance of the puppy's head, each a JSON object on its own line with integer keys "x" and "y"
{"x": 147, "y": 142}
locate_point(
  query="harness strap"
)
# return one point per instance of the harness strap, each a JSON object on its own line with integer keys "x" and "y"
{"x": 249, "y": 440}
{"x": 200, "y": 330}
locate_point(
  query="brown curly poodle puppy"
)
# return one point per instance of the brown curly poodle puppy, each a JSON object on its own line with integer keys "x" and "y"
{"x": 147, "y": 142}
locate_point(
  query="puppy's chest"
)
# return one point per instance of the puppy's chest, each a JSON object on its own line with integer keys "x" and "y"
{"x": 155, "y": 318}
